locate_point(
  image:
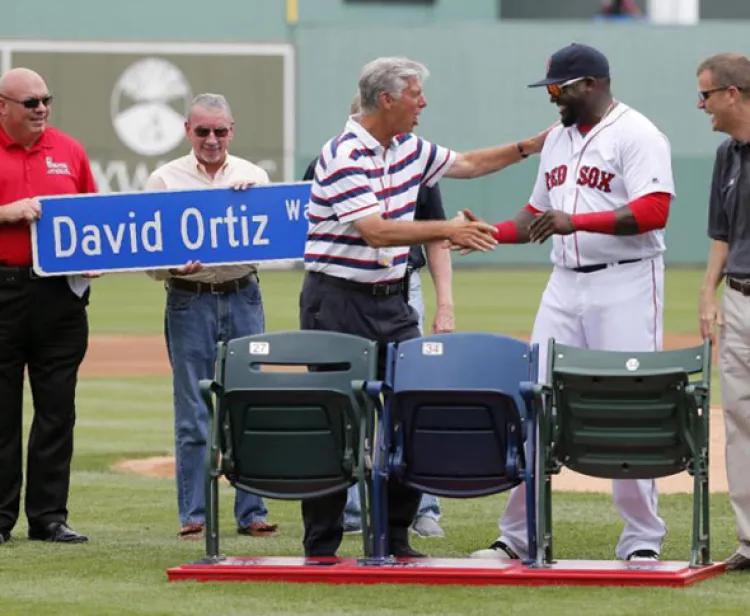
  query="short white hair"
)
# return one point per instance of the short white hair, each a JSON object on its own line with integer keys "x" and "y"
{"x": 212, "y": 102}
{"x": 389, "y": 76}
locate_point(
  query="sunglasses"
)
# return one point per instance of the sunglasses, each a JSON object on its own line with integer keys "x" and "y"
{"x": 30, "y": 103}
{"x": 704, "y": 95}
{"x": 203, "y": 131}
{"x": 556, "y": 89}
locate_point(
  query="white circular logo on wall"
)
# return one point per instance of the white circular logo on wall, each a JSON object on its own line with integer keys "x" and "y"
{"x": 149, "y": 104}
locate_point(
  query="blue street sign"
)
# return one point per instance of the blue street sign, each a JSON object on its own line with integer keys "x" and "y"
{"x": 152, "y": 230}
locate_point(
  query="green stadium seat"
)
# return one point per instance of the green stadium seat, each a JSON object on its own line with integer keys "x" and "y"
{"x": 291, "y": 419}
{"x": 627, "y": 415}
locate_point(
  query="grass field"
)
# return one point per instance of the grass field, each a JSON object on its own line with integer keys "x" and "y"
{"x": 486, "y": 300}
{"x": 132, "y": 522}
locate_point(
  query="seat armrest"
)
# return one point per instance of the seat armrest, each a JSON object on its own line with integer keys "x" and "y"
{"x": 207, "y": 388}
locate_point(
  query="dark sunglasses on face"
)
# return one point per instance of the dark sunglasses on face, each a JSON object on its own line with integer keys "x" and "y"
{"x": 203, "y": 131}
{"x": 30, "y": 103}
{"x": 704, "y": 95}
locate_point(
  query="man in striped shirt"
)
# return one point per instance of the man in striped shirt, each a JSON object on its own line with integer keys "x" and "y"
{"x": 361, "y": 215}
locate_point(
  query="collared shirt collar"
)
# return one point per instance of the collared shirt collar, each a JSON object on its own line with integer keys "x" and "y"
{"x": 7, "y": 142}
{"x": 200, "y": 167}
{"x": 352, "y": 125}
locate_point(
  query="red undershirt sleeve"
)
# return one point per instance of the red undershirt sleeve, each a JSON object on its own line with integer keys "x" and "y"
{"x": 650, "y": 212}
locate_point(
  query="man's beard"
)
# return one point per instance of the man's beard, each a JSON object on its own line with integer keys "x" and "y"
{"x": 569, "y": 117}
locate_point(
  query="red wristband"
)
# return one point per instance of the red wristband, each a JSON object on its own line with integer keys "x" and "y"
{"x": 595, "y": 222}
{"x": 506, "y": 232}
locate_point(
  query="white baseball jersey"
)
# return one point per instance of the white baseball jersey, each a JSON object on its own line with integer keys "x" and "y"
{"x": 624, "y": 157}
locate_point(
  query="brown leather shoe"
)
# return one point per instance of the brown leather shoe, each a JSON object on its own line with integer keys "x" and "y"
{"x": 737, "y": 562}
{"x": 192, "y": 531}
{"x": 259, "y": 529}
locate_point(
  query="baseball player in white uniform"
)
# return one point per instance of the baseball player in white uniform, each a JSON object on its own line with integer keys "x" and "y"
{"x": 603, "y": 190}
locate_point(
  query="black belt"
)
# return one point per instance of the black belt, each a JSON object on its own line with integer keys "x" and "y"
{"x": 588, "y": 269}
{"x": 743, "y": 286}
{"x": 215, "y": 288}
{"x": 16, "y": 275}
{"x": 379, "y": 289}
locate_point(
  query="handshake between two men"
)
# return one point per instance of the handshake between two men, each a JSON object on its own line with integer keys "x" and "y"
{"x": 528, "y": 227}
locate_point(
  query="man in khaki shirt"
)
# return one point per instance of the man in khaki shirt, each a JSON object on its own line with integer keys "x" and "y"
{"x": 205, "y": 305}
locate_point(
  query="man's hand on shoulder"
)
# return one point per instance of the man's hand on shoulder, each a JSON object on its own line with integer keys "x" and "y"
{"x": 21, "y": 211}
{"x": 535, "y": 144}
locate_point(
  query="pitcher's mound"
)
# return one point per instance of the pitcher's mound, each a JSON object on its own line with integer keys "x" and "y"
{"x": 161, "y": 467}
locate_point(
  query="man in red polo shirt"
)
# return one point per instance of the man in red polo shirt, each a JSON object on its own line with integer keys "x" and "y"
{"x": 43, "y": 321}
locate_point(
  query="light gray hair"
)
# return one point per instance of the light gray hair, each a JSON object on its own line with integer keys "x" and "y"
{"x": 387, "y": 76}
{"x": 212, "y": 102}
{"x": 356, "y": 104}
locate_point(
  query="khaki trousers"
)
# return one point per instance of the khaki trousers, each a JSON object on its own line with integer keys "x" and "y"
{"x": 734, "y": 364}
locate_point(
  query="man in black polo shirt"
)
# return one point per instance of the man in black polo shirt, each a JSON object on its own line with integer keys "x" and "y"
{"x": 724, "y": 94}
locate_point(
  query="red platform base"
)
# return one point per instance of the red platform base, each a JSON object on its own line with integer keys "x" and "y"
{"x": 463, "y": 571}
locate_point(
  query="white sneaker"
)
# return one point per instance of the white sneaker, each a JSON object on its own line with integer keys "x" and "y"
{"x": 498, "y": 550}
{"x": 352, "y": 528}
{"x": 427, "y": 527}
{"x": 643, "y": 556}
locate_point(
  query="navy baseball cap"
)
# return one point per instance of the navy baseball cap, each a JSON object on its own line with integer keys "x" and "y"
{"x": 572, "y": 62}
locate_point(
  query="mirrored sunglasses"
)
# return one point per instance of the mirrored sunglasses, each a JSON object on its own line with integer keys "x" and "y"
{"x": 556, "y": 89}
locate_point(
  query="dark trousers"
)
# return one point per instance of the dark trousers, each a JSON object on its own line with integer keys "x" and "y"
{"x": 43, "y": 328}
{"x": 325, "y": 305}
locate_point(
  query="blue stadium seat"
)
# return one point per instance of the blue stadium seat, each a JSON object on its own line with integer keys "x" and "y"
{"x": 456, "y": 412}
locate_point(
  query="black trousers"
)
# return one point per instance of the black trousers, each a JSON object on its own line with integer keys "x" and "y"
{"x": 44, "y": 329}
{"x": 325, "y": 305}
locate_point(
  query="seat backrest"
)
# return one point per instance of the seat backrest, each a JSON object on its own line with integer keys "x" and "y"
{"x": 692, "y": 360}
{"x": 289, "y": 413}
{"x": 624, "y": 415}
{"x": 456, "y": 400}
